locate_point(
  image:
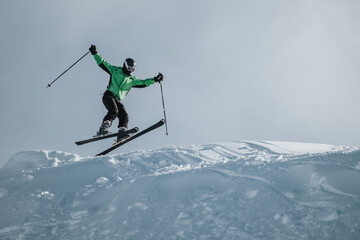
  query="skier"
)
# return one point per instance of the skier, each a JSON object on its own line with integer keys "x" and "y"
{"x": 120, "y": 83}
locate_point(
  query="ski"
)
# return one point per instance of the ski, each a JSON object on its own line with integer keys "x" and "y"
{"x": 101, "y": 137}
{"x": 128, "y": 139}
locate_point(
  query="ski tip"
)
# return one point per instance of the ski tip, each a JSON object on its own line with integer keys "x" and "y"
{"x": 161, "y": 122}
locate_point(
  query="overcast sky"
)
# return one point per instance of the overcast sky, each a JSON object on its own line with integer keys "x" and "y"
{"x": 234, "y": 70}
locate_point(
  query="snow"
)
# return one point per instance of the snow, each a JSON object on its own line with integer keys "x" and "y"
{"x": 229, "y": 190}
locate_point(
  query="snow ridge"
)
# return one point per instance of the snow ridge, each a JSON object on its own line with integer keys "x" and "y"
{"x": 231, "y": 190}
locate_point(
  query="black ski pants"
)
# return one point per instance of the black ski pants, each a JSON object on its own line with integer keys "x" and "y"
{"x": 115, "y": 109}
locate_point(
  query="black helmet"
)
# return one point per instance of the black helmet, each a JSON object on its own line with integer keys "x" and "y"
{"x": 129, "y": 65}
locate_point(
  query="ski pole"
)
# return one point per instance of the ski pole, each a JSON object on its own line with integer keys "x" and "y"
{"x": 49, "y": 85}
{"x": 163, "y": 103}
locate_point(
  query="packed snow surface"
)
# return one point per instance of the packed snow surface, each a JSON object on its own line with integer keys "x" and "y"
{"x": 231, "y": 190}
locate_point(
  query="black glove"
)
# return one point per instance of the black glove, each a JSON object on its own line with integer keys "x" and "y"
{"x": 92, "y": 49}
{"x": 159, "y": 77}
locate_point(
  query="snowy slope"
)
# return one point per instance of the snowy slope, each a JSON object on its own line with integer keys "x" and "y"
{"x": 232, "y": 190}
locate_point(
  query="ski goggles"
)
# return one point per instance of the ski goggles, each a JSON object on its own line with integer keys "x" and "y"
{"x": 130, "y": 68}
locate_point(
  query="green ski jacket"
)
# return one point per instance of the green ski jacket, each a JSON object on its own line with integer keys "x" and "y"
{"x": 120, "y": 83}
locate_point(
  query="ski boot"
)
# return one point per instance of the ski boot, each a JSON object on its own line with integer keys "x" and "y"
{"x": 119, "y": 138}
{"x": 103, "y": 130}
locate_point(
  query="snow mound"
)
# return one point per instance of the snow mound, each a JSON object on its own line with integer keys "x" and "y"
{"x": 231, "y": 190}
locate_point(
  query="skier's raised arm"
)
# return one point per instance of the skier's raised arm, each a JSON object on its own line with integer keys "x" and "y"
{"x": 100, "y": 61}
